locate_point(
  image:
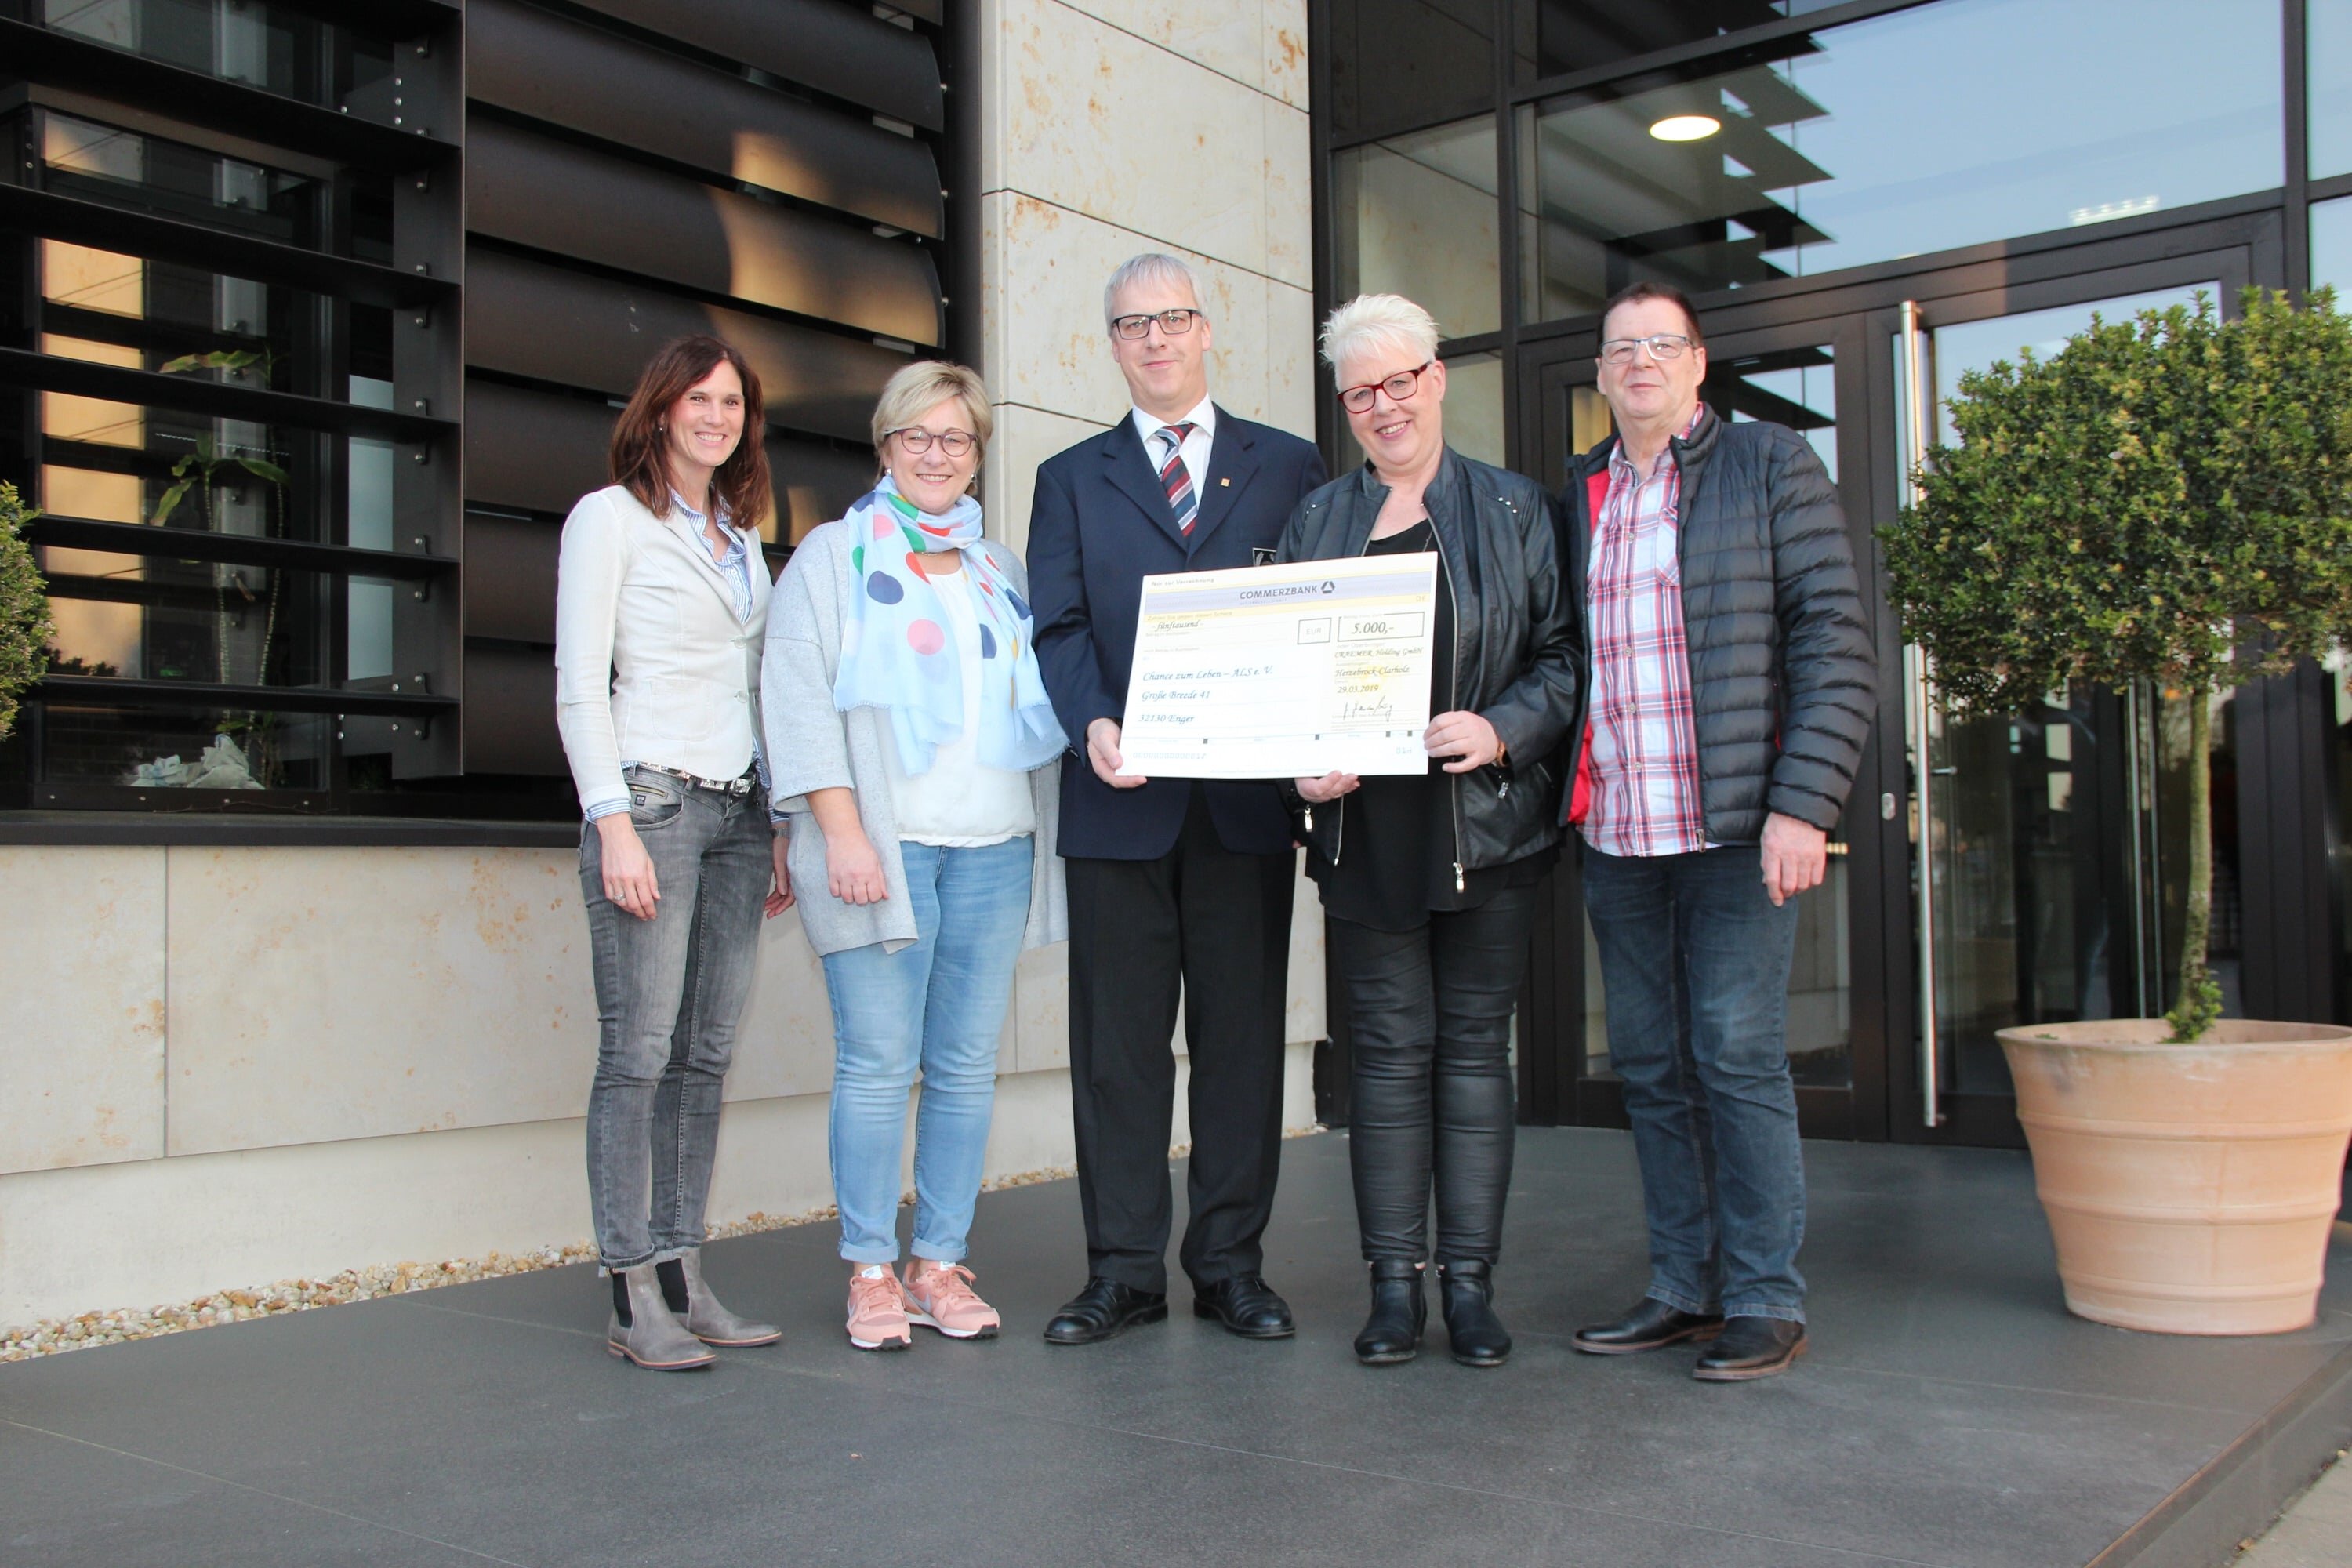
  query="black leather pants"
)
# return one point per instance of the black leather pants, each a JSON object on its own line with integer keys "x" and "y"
{"x": 1430, "y": 1019}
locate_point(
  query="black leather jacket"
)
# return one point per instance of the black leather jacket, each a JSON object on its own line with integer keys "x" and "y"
{"x": 1517, "y": 642}
{"x": 1784, "y": 676}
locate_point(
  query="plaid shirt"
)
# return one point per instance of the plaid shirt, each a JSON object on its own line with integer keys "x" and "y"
{"x": 1644, "y": 745}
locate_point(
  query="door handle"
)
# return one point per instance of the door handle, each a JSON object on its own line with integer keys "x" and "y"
{"x": 1918, "y": 696}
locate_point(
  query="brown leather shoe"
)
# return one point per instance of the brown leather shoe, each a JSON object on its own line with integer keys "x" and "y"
{"x": 1750, "y": 1348}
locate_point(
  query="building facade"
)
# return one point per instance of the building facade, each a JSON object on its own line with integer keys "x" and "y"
{"x": 1865, "y": 200}
{"x": 315, "y": 320}
{"x": 314, "y": 317}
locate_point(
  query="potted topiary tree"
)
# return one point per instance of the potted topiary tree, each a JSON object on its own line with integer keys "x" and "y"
{"x": 2168, "y": 499}
{"x": 24, "y": 609}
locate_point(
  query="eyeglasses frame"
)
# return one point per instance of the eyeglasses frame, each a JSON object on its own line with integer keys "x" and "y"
{"x": 1651, "y": 344}
{"x": 1189, "y": 313}
{"x": 970, "y": 441}
{"x": 1377, "y": 387}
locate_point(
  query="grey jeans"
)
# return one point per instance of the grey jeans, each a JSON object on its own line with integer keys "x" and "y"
{"x": 669, "y": 992}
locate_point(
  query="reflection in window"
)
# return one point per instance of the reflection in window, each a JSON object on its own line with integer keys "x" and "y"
{"x": 250, "y": 42}
{"x": 1416, "y": 216}
{"x": 1567, "y": 37}
{"x": 2327, "y": 70}
{"x": 1795, "y": 387}
{"x": 144, "y": 617}
{"x": 1816, "y": 161}
{"x": 1402, "y": 62}
{"x": 1979, "y": 345}
{"x": 122, "y": 168}
{"x": 1473, "y": 406}
{"x": 2339, "y": 830}
{"x": 2331, "y": 248}
{"x": 117, "y": 462}
{"x": 222, "y": 749}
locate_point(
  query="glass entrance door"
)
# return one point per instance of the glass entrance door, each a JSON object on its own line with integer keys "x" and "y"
{"x": 1988, "y": 870}
{"x": 1799, "y": 377}
{"x": 2035, "y": 865}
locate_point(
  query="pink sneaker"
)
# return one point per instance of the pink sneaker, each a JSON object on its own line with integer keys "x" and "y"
{"x": 939, "y": 1296}
{"x": 877, "y": 1311}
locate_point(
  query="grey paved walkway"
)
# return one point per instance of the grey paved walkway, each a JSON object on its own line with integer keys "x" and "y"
{"x": 2316, "y": 1532}
{"x": 1951, "y": 1414}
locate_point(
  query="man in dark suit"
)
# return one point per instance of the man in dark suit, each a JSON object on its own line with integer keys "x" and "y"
{"x": 1170, "y": 879}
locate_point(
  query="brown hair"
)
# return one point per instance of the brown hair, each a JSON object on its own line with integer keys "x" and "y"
{"x": 640, "y": 456}
{"x": 1634, "y": 294}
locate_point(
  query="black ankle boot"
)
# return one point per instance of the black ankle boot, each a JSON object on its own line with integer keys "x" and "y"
{"x": 1477, "y": 1336}
{"x": 1393, "y": 1333}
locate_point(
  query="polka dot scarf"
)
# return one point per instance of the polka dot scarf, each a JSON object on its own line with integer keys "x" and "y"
{"x": 897, "y": 653}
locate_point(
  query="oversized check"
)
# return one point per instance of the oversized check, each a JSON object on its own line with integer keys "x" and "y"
{"x": 1262, "y": 672}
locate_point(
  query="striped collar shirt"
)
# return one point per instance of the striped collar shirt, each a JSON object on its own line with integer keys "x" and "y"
{"x": 1644, "y": 757}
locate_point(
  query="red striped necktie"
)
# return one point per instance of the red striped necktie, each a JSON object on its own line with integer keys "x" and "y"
{"x": 1176, "y": 480}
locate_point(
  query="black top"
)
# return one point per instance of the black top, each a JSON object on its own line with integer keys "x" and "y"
{"x": 1397, "y": 842}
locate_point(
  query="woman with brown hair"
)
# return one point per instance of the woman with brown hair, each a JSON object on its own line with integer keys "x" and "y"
{"x": 661, "y": 601}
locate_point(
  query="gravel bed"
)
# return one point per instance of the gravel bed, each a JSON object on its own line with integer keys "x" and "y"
{"x": 53, "y": 1335}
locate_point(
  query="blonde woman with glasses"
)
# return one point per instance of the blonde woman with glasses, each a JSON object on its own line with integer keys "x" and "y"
{"x": 917, "y": 765}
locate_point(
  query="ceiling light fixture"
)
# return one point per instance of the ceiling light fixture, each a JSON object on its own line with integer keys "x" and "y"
{"x": 1686, "y": 128}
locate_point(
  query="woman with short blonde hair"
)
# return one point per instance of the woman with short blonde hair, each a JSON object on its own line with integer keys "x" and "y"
{"x": 1432, "y": 903}
{"x": 918, "y": 763}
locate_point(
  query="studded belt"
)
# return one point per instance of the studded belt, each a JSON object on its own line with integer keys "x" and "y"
{"x": 736, "y": 786}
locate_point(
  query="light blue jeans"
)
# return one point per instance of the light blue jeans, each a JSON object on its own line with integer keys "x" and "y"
{"x": 939, "y": 1006}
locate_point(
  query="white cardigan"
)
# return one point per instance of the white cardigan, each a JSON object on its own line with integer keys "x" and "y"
{"x": 640, "y": 595}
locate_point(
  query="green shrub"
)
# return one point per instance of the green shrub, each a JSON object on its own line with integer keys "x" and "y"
{"x": 2168, "y": 498}
{"x": 24, "y": 609}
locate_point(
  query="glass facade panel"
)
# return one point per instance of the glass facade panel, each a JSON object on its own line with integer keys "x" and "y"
{"x": 248, "y": 42}
{"x": 1404, "y": 62}
{"x": 195, "y": 750}
{"x": 2327, "y": 75}
{"x": 1556, "y": 36}
{"x": 1818, "y": 161}
{"x": 2056, "y": 839}
{"x": 1473, "y": 406}
{"x": 144, "y": 617}
{"x": 2331, "y": 248}
{"x": 1416, "y": 215}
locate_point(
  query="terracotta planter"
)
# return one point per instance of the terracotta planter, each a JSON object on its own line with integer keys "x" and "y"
{"x": 2190, "y": 1188}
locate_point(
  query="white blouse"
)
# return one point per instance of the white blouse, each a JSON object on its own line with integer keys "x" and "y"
{"x": 960, "y": 802}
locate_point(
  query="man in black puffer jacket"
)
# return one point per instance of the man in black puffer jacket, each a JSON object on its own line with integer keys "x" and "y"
{"x": 1729, "y": 683}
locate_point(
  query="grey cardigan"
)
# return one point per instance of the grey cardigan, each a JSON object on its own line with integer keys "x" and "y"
{"x": 812, "y": 745}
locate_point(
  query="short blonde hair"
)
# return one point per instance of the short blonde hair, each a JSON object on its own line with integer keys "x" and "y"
{"x": 908, "y": 395}
{"x": 1371, "y": 322}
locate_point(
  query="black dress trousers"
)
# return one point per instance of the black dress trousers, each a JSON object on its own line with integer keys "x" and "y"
{"x": 1220, "y": 921}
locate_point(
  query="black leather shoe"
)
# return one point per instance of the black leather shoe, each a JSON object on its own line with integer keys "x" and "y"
{"x": 1750, "y": 1348}
{"x": 1399, "y": 1312}
{"x": 1246, "y": 1305}
{"x": 1103, "y": 1309}
{"x": 1650, "y": 1326}
{"x": 1467, "y": 1292}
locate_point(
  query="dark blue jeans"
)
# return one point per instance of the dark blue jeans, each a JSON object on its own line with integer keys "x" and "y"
{"x": 1694, "y": 960}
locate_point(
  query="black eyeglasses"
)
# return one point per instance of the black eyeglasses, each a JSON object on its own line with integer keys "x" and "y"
{"x": 1400, "y": 386}
{"x": 1662, "y": 346}
{"x": 915, "y": 438}
{"x": 1175, "y": 323}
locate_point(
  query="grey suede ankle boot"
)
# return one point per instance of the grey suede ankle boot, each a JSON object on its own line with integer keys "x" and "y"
{"x": 704, "y": 1316}
{"x": 644, "y": 1330}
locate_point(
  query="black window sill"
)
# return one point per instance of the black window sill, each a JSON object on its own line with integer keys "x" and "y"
{"x": 239, "y": 830}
